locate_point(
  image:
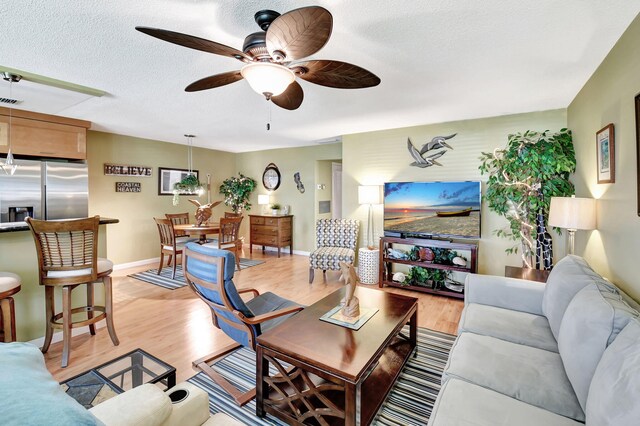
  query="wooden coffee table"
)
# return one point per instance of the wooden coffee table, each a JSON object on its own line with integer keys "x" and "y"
{"x": 339, "y": 375}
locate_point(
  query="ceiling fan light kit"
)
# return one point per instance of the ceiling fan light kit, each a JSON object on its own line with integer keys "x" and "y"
{"x": 268, "y": 56}
{"x": 267, "y": 78}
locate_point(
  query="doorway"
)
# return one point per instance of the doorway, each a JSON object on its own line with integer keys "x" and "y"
{"x": 336, "y": 190}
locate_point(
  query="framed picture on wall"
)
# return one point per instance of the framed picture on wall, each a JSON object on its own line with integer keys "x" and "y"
{"x": 605, "y": 149}
{"x": 169, "y": 177}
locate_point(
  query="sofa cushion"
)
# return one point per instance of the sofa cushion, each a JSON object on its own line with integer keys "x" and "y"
{"x": 464, "y": 403}
{"x": 531, "y": 375}
{"x": 506, "y": 324}
{"x": 30, "y": 395}
{"x": 145, "y": 405}
{"x": 567, "y": 278}
{"x": 615, "y": 389}
{"x": 591, "y": 322}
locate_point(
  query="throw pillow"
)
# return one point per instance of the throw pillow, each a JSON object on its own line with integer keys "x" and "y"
{"x": 30, "y": 396}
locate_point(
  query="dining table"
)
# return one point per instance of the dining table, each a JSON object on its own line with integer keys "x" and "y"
{"x": 201, "y": 231}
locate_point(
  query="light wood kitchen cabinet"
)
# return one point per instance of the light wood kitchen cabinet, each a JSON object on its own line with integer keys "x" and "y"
{"x": 271, "y": 231}
{"x": 43, "y": 135}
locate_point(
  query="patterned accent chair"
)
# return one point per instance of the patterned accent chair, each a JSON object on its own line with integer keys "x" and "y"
{"x": 336, "y": 242}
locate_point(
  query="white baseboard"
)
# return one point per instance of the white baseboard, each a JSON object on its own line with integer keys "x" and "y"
{"x": 135, "y": 264}
{"x": 284, "y": 250}
{"x": 57, "y": 337}
{"x": 143, "y": 262}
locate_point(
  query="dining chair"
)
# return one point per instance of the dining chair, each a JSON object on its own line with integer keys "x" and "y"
{"x": 209, "y": 273}
{"x": 179, "y": 219}
{"x": 336, "y": 242}
{"x": 231, "y": 215}
{"x": 228, "y": 237}
{"x": 168, "y": 244}
{"x": 68, "y": 257}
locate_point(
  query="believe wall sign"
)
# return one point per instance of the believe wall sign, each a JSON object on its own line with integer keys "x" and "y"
{"x": 128, "y": 187}
{"x": 121, "y": 170}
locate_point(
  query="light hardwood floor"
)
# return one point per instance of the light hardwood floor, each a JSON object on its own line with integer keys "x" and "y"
{"x": 176, "y": 326}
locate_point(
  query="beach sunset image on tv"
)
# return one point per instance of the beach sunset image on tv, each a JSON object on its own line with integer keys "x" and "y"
{"x": 432, "y": 208}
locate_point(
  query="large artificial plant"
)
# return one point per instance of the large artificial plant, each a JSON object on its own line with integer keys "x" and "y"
{"x": 236, "y": 191}
{"x": 522, "y": 179}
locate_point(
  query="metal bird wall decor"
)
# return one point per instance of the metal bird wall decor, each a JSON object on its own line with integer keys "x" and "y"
{"x": 430, "y": 160}
{"x": 436, "y": 143}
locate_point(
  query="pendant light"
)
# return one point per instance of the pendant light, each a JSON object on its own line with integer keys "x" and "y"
{"x": 9, "y": 165}
{"x": 197, "y": 188}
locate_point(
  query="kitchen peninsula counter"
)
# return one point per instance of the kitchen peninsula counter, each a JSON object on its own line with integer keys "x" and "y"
{"x": 18, "y": 255}
{"x": 22, "y": 226}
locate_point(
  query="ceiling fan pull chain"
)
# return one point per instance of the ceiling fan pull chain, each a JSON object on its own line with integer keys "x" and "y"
{"x": 269, "y": 116}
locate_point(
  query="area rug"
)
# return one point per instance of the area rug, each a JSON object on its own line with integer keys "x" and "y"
{"x": 164, "y": 279}
{"x": 409, "y": 403}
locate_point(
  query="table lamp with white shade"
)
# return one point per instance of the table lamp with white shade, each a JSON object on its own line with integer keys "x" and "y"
{"x": 263, "y": 200}
{"x": 572, "y": 213}
{"x": 370, "y": 194}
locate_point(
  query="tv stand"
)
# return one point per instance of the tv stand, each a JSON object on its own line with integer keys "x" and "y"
{"x": 468, "y": 248}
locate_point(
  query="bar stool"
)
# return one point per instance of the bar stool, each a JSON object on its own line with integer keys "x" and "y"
{"x": 68, "y": 257}
{"x": 9, "y": 285}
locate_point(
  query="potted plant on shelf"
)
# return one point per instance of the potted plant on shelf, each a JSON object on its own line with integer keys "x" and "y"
{"x": 275, "y": 209}
{"x": 188, "y": 185}
{"x": 522, "y": 179}
{"x": 236, "y": 191}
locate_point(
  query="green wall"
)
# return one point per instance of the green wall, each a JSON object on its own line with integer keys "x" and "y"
{"x": 376, "y": 157}
{"x": 608, "y": 97}
{"x": 289, "y": 161}
{"x": 136, "y": 236}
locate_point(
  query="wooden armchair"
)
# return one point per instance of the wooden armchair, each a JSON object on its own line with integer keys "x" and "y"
{"x": 209, "y": 273}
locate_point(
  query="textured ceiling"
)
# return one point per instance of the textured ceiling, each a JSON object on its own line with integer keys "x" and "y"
{"x": 439, "y": 60}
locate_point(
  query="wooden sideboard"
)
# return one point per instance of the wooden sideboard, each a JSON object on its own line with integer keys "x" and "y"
{"x": 271, "y": 231}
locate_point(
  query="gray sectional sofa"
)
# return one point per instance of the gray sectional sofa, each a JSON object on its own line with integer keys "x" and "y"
{"x": 564, "y": 353}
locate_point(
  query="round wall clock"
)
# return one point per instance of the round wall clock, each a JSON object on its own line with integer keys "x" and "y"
{"x": 271, "y": 177}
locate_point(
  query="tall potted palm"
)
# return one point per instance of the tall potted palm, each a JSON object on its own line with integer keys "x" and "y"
{"x": 523, "y": 177}
{"x": 236, "y": 191}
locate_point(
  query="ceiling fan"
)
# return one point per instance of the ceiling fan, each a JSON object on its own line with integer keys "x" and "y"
{"x": 269, "y": 54}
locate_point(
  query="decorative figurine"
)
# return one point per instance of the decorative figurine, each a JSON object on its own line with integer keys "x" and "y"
{"x": 203, "y": 213}
{"x": 351, "y": 304}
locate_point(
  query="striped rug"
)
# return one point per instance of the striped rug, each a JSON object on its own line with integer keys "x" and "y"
{"x": 409, "y": 403}
{"x": 164, "y": 279}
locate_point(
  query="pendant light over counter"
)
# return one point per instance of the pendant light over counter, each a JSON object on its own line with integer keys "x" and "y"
{"x": 9, "y": 165}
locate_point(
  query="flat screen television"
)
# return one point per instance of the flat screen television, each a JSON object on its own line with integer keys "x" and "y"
{"x": 432, "y": 209}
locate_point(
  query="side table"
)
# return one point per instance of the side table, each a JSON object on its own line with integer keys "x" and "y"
{"x": 530, "y": 274}
{"x": 368, "y": 265}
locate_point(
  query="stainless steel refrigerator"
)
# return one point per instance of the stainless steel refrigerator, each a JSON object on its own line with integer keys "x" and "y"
{"x": 44, "y": 190}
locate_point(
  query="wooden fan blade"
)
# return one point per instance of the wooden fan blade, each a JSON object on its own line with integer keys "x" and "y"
{"x": 340, "y": 75}
{"x": 291, "y": 98}
{"x": 214, "y": 81}
{"x": 194, "y": 42}
{"x": 299, "y": 33}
